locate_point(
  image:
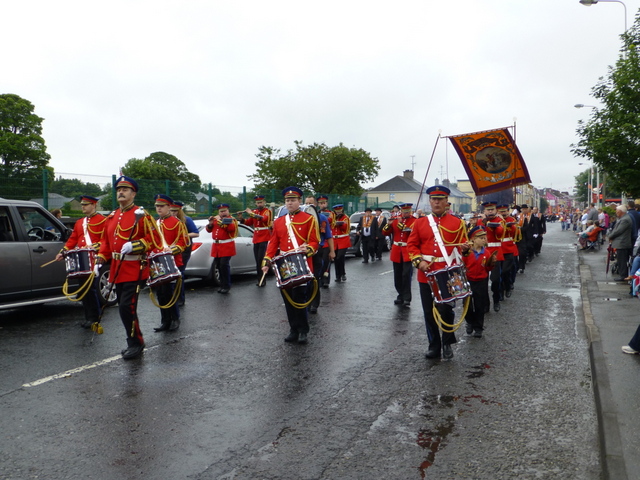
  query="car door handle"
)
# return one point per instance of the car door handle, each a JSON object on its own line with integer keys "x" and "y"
{"x": 40, "y": 249}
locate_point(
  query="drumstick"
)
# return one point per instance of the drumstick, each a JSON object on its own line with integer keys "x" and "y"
{"x": 48, "y": 263}
{"x": 264, "y": 274}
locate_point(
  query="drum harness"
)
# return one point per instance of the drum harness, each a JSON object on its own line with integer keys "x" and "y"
{"x": 294, "y": 241}
{"x": 449, "y": 259}
{"x": 177, "y": 288}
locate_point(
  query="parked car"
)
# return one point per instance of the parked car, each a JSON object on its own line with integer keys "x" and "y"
{"x": 201, "y": 262}
{"x": 356, "y": 247}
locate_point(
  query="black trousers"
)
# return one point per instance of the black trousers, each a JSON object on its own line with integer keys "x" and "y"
{"x": 223, "y": 266}
{"x": 402, "y": 280}
{"x": 339, "y": 263}
{"x": 446, "y": 312}
{"x": 91, "y": 303}
{"x": 367, "y": 247}
{"x": 479, "y": 303}
{"x": 164, "y": 294}
{"x": 522, "y": 254}
{"x": 326, "y": 266}
{"x": 298, "y": 322}
{"x": 537, "y": 244}
{"x": 259, "y": 250}
{"x": 128, "y": 293}
{"x": 378, "y": 243}
{"x": 496, "y": 277}
{"x": 507, "y": 271}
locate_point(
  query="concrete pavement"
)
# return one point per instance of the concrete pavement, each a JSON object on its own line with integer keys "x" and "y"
{"x": 611, "y": 318}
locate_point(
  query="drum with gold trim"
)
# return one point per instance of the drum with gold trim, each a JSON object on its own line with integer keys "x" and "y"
{"x": 291, "y": 269}
{"x": 449, "y": 284}
{"x": 162, "y": 269}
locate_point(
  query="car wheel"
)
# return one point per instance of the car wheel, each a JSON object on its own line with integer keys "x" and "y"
{"x": 358, "y": 248}
{"x": 214, "y": 275}
{"x": 103, "y": 287}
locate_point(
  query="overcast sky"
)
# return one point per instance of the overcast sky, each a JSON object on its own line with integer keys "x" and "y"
{"x": 211, "y": 81}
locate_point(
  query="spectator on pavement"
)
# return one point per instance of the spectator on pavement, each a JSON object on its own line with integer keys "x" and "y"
{"x": 620, "y": 238}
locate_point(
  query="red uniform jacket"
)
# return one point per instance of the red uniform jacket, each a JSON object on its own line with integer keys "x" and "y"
{"x": 341, "y": 237}
{"x": 477, "y": 264}
{"x": 261, "y": 221}
{"x": 118, "y": 230}
{"x": 223, "y": 234}
{"x": 510, "y": 236}
{"x": 401, "y": 229}
{"x": 305, "y": 228}
{"x": 95, "y": 227}
{"x": 422, "y": 241}
{"x": 175, "y": 235}
{"x": 495, "y": 233}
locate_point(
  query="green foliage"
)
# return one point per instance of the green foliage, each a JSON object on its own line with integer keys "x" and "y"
{"x": 23, "y": 154}
{"x": 582, "y": 179}
{"x": 611, "y": 136}
{"x": 73, "y": 187}
{"x": 164, "y": 173}
{"x": 315, "y": 168}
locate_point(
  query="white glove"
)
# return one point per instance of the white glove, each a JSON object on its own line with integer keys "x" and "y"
{"x": 127, "y": 248}
{"x": 96, "y": 269}
{"x": 535, "y": 235}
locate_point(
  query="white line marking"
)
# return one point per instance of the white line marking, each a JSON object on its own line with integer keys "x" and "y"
{"x": 68, "y": 373}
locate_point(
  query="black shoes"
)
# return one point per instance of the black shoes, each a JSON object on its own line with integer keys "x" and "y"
{"x": 406, "y": 304}
{"x": 477, "y": 334}
{"x": 302, "y": 338}
{"x": 87, "y": 324}
{"x": 292, "y": 337}
{"x": 365, "y": 261}
{"x": 397, "y": 301}
{"x": 175, "y": 325}
{"x": 469, "y": 329}
{"x": 313, "y": 309}
{"x": 162, "y": 328}
{"x": 496, "y": 307}
{"x": 223, "y": 290}
{"x": 508, "y": 293}
{"x": 432, "y": 353}
{"x": 344, "y": 278}
{"x": 132, "y": 352}
{"x": 447, "y": 352}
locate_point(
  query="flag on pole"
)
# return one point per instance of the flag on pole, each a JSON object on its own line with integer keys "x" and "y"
{"x": 492, "y": 160}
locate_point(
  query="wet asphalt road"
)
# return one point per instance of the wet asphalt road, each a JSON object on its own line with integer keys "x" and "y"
{"x": 226, "y": 398}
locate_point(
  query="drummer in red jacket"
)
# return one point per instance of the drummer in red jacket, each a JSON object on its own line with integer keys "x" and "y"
{"x": 296, "y": 231}
{"x": 224, "y": 229}
{"x": 87, "y": 232}
{"x": 432, "y": 237}
{"x": 129, "y": 234}
{"x": 479, "y": 262}
{"x": 174, "y": 239}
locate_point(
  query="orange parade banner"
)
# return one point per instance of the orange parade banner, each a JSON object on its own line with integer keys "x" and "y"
{"x": 492, "y": 160}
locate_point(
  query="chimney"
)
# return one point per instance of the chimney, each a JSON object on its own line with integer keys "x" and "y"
{"x": 408, "y": 174}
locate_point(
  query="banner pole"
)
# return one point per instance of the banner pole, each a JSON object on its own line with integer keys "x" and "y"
{"x": 428, "y": 168}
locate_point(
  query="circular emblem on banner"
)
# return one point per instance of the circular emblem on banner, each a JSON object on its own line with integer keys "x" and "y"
{"x": 493, "y": 159}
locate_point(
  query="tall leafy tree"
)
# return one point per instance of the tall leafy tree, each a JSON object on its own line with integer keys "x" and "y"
{"x": 611, "y": 136}
{"x": 316, "y": 167}
{"x": 74, "y": 187}
{"x": 162, "y": 172}
{"x": 23, "y": 153}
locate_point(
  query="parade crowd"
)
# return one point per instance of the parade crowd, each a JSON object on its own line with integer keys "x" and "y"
{"x": 475, "y": 262}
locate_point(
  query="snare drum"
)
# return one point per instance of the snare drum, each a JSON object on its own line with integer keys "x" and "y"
{"x": 291, "y": 270}
{"x": 162, "y": 269}
{"x": 449, "y": 284}
{"x": 80, "y": 262}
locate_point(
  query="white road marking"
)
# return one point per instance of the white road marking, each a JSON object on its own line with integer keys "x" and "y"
{"x": 68, "y": 373}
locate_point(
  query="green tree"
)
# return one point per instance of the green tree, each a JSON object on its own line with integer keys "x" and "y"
{"x": 316, "y": 168}
{"x": 74, "y": 187}
{"x": 162, "y": 172}
{"x": 582, "y": 179}
{"x": 611, "y": 136}
{"x": 23, "y": 153}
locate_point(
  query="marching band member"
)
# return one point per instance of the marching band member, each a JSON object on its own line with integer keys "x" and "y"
{"x": 400, "y": 228}
{"x": 87, "y": 232}
{"x": 323, "y": 207}
{"x": 193, "y": 232}
{"x": 325, "y": 246}
{"x": 296, "y": 230}
{"x": 224, "y": 229}
{"x": 495, "y": 226}
{"x": 261, "y": 219}
{"x": 509, "y": 249}
{"x": 129, "y": 233}
{"x": 341, "y": 241}
{"x": 478, "y": 262}
{"x": 174, "y": 238}
{"x": 434, "y": 239}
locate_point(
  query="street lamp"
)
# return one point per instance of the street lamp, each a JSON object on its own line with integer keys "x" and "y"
{"x": 582, "y": 105}
{"x": 588, "y": 3}
{"x": 590, "y": 184}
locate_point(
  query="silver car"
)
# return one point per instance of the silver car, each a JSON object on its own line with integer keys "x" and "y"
{"x": 201, "y": 262}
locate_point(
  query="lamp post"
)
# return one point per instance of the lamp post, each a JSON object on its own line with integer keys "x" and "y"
{"x": 588, "y": 3}
{"x": 598, "y": 192}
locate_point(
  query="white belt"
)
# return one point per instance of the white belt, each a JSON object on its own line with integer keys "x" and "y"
{"x": 494, "y": 244}
{"x": 508, "y": 239}
{"x": 224, "y": 241}
{"x": 119, "y": 256}
{"x": 431, "y": 258}
{"x": 260, "y": 228}
{"x": 341, "y": 236}
{"x": 400, "y": 244}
